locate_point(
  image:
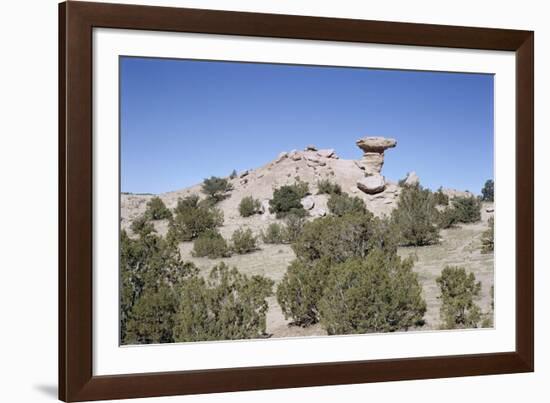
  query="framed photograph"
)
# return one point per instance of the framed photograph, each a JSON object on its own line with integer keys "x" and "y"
{"x": 253, "y": 201}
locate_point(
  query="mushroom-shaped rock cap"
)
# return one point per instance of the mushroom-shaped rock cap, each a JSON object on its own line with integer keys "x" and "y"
{"x": 375, "y": 144}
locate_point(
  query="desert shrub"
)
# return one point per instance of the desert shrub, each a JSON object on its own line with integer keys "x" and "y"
{"x": 275, "y": 233}
{"x": 193, "y": 217}
{"x": 447, "y": 217}
{"x": 249, "y": 206}
{"x": 233, "y": 174}
{"x": 210, "y": 244}
{"x": 226, "y": 306}
{"x": 325, "y": 186}
{"x": 488, "y": 238}
{"x": 468, "y": 209}
{"x": 415, "y": 217}
{"x": 286, "y": 200}
{"x": 141, "y": 226}
{"x": 300, "y": 290}
{"x": 458, "y": 291}
{"x": 488, "y": 191}
{"x": 157, "y": 210}
{"x": 243, "y": 241}
{"x": 337, "y": 239}
{"x": 378, "y": 294}
{"x": 152, "y": 319}
{"x": 301, "y": 187}
{"x": 340, "y": 204}
{"x": 216, "y": 188}
{"x": 440, "y": 198}
{"x": 294, "y": 223}
{"x": 147, "y": 265}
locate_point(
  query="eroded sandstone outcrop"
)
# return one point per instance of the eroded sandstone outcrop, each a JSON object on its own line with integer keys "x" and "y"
{"x": 372, "y": 162}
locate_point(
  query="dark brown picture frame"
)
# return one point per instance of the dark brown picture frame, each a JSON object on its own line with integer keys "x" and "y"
{"x": 76, "y": 23}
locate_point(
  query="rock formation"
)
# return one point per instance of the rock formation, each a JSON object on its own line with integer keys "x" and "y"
{"x": 412, "y": 179}
{"x": 372, "y": 162}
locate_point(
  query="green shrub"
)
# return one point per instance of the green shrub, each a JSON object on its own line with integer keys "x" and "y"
{"x": 378, "y": 294}
{"x": 340, "y": 204}
{"x": 294, "y": 223}
{"x": 301, "y": 187}
{"x": 147, "y": 265}
{"x": 287, "y": 200}
{"x": 325, "y": 186}
{"x": 458, "y": 291}
{"x": 211, "y": 244}
{"x": 441, "y": 199}
{"x": 321, "y": 244}
{"x": 275, "y": 233}
{"x": 447, "y": 217}
{"x": 337, "y": 239}
{"x": 249, "y": 206}
{"x": 243, "y": 241}
{"x": 468, "y": 209}
{"x": 192, "y": 218}
{"x": 488, "y": 191}
{"x": 227, "y": 306}
{"x": 157, "y": 210}
{"x": 152, "y": 319}
{"x": 216, "y": 188}
{"x": 415, "y": 217}
{"x": 488, "y": 238}
{"x": 141, "y": 226}
{"x": 300, "y": 290}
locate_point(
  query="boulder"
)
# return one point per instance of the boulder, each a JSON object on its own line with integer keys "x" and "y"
{"x": 308, "y": 202}
{"x": 375, "y": 144}
{"x": 245, "y": 173}
{"x": 328, "y": 153}
{"x": 372, "y": 184}
{"x": 318, "y": 212}
{"x": 412, "y": 179}
{"x": 311, "y": 147}
{"x": 490, "y": 210}
{"x": 281, "y": 156}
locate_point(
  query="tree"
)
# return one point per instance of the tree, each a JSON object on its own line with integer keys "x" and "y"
{"x": 378, "y": 294}
{"x": 488, "y": 191}
{"x": 233, "y": 174}
{"x": 275, "y": 234}
{"x": 441, "y": 199}
{"x": 488, "y": 238}
{"x": 447, "y": 217}
{"x": 149, "y": 267}
{"x": 458, "y": 291}
{"x": 243, "y": 241}
{"x": 193, "y": 217}
{"x": 216, "y": 188}
{"x": 467, "y": 209}
{"x": 322, "y": 244}
{"x": 415, "y": 217}
{"x": 141, "y": 226}
{"x": 226, "y": 306}
{"x": 152, "y": 319}
{"x": 325, "y": 186}
{"x": 340, "y": 204}
{"x": 157, "y": 210}
{"x": 249, "y": 206}
{"x": 337, "y": 239}
{"x": 211, "y": 244}
{"x": 287, "y": 200}
{"x": 300, "y": 290}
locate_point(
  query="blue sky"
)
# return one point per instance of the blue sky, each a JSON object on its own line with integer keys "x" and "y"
{"x": 182, "y": 121}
